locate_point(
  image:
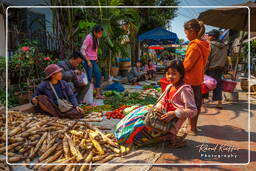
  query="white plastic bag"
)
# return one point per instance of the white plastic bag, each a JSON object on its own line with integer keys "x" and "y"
{"x": 84, "y": 77}
{"x": 88, "y": 99}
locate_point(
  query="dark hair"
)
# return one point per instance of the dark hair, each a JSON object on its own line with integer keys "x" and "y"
{"x": 97, "y": 28}
{"x": 138, "y": 61}
{"x": 177, "y": 65}
{"x": 149, "y": 61}
{"x": 195, "y": 25}
{"x": 76, "y": 55}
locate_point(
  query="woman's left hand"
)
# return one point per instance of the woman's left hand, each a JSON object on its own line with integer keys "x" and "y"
{"x": 168, "y": 116}
{"x": 79, "y": 109}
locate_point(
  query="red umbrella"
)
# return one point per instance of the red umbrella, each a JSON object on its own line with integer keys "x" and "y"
{"x": 156, "y": 47}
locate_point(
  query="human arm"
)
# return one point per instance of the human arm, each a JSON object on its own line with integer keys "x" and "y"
{"x": 190, "y": 109}
{"x": 87, "y": 42}
{"x": 71, "y": 95}
{"x": 67, "y": 73}
{"x": 191, "y": 58}
{"x": 38, "y": 92}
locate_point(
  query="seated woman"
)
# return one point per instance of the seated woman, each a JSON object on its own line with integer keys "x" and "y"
{"x": 136, "y": 74}
{"x": 150, "y": 70}
{"x": 174, "y": 107}
{"x": 53, "y": 89}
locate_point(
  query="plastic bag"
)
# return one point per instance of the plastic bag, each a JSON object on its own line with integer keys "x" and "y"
{"x": 209, "y": 82}
{"x": 82, "y": 79}
{"x": 88, "y": 99}
{"x": 115, "y": 86}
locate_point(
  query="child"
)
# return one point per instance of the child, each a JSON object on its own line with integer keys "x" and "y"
{"x": 164, "y": 82}
{"x": 150, "y": 70}
{"x": 194, "y": 63}
{"x": 136, "y": 74}
{"x": 179, "y": 100}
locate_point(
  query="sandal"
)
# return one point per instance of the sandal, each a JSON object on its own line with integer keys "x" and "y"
{"x": 193, "y": 133}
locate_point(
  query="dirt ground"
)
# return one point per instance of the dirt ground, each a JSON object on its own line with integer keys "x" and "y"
{"x": 226, "y": 132}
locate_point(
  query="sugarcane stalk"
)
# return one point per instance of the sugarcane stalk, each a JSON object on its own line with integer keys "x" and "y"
{"x": 48, "y": 152}
{"x": 38, "y": 145}
{"x": 74, "y": 149}
{"x": 87, "y": 160}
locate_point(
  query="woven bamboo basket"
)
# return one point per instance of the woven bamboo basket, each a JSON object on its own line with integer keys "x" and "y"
{"x": 253, "y": 88}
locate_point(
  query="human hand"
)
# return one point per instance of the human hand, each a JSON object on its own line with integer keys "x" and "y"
{"x": 79, "y": 109}
{"x": 168, "y": 116}
{"x": 158, "y": 111}
{"x": 89, "y": 64}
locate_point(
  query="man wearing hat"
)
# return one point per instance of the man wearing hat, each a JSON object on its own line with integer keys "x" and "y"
{"x": 216, "y": 63}
{"x": 53, "y": 88}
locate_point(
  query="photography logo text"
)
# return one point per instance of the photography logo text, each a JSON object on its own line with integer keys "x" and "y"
{"x": 217, "y": 151}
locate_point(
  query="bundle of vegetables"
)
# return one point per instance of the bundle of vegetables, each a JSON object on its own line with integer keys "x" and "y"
{"x": 94, "y": 117}
{"x": 112, "y": 93}
{"x": 129, "y": 109}
{"x": 145, "y": 87}
{"x": 118, "y": 113}
{"x": 100, "y": 108}
{"x": 150, "y": 92}
{"x": 131, "y": 99}
{"x": 54, "y": 140}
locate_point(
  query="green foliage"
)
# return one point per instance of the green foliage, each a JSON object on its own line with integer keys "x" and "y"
{"x": 28, "y": 64}
{"x": 11, "y": 99}
{"x": 252, "y": 48}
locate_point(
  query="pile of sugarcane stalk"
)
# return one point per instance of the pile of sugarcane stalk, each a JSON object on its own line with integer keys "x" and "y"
{"x": 43, "y": 139}
{"x": 93, "y": 117}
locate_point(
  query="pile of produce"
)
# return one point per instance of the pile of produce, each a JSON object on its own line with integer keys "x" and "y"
{"x": 112, "y": 93}
{"x": 130, "y": 99}
{"x": 94, "y": 117}
{"x": 151, "y": 92}
{"x": 117, "y": 113}
{"x": 54, "y": 140}
{"x": 100, "y": 108}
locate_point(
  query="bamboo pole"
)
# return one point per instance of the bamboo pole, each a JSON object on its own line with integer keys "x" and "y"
{"x": 239, "y": 55}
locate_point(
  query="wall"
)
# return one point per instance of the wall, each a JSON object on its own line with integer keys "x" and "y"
{"x": 46, "y": 11}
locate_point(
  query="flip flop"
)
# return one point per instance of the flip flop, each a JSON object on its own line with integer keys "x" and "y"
{"x": 193, "y": 133}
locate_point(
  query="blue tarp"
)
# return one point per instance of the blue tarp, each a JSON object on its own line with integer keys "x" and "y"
{"x": 159, "y": 36}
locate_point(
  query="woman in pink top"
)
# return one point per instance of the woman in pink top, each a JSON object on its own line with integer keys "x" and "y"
{"x": 150, "y": 70}
{"x": 89, "y": 50}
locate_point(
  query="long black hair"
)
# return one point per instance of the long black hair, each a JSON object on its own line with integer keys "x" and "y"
{"x": 177, "y": 65}
{"x": 97, "y": 28}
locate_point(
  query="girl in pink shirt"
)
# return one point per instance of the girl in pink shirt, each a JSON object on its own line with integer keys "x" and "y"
{"x": 150, "y": 69}
{"x": 89, "y": 50}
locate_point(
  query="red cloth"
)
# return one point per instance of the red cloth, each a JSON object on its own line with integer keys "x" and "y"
{"x": 164, "y": 82}
{"x": 168, "y": 105}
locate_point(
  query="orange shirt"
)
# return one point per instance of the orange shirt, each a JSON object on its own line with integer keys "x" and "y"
{"x": 195, "y": 60}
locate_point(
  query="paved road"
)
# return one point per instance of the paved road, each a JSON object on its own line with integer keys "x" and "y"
{"x": 226, "y": 133}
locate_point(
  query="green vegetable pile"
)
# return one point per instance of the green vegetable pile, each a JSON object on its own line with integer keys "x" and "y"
{"x": 129, "y": 99}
